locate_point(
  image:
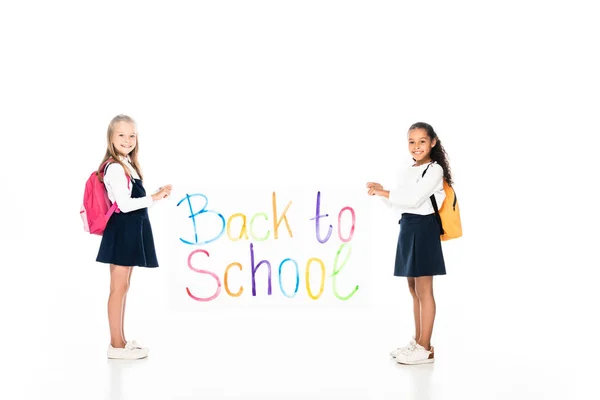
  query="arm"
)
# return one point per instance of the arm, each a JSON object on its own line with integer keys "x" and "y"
{"x": 376, "y": 189}
{"x": 116, "y": 184}
{"x": 413, "y": 195}
{"x": 374, "y": 186}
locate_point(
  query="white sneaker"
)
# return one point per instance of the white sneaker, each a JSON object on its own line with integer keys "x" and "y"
{"x": 399, "y": 350}
{"x": 131, "y": 351}
{"x": 416, "y": 355}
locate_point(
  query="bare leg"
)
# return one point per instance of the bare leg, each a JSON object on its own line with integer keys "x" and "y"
{"x": 424, "y": 289}
{"x": 124, "y": 305}
{"x": 416, "y": 307}
{"x": 119, "y": 285}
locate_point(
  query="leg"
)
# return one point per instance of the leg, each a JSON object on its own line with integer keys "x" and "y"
{"x": 119, "y": 285}
{"x": 424, "y": 289}
{"x": 416, "y": 307}
{"x": 130, "y": 270}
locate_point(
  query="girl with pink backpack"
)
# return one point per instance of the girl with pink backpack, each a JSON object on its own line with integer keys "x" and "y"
{"x": 127, "y": 239}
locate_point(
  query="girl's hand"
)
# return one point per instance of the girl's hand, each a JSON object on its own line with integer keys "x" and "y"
{"x": 374, "y": 185}
{"x": 162, "y": 193}
{"x": 375, "y": 191}
{"x": 379, "y": 192}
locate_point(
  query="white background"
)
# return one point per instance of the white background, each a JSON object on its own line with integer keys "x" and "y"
{"x": 305, "y": 94}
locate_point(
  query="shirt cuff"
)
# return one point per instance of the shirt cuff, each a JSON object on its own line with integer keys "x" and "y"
{"x": 393, "y": 196}
{"x": 150, "y": 201}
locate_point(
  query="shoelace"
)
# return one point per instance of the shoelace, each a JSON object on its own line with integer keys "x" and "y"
{"x": 409, "y": 349}
{"x": 133, "y": 345}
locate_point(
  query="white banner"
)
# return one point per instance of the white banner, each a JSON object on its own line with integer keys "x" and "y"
{"x": 237, "y": 247}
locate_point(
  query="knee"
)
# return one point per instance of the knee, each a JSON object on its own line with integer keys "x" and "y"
{"x": 423, "y": 293}
{"x": 119, "y": 287}
{"x": 412, "y": 289}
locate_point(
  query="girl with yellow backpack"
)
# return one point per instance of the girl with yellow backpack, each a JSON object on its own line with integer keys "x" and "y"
{"x": 423, "y": 226}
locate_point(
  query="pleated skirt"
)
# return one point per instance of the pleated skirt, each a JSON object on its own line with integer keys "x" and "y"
{"x": 419, "y": 249}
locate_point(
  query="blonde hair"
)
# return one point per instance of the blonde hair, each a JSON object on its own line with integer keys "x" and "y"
{"x": 112, "y": 153}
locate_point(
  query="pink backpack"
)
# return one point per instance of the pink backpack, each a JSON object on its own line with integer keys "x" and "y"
{"x": 96, "y": 209}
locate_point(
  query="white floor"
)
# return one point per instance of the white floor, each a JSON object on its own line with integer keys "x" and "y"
{"x": 244, "y": 366}
{"x": 276, "y": 354}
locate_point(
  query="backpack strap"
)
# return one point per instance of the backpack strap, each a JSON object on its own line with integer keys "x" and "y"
{"x": 429, "y": 165}
{"x": 434, "y": 204}
{"x": 111, "y": 161}
{"x": 437, "y": 214}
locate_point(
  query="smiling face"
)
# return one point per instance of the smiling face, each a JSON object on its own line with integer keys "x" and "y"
{"x": 420, "y": 145}
{"x": 124, "y": 138}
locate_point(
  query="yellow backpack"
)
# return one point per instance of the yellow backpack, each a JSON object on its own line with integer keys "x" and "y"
{"x": 448, "y": 216}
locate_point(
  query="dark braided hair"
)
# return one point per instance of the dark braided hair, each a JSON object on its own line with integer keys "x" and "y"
{"x": 438, "y": 154}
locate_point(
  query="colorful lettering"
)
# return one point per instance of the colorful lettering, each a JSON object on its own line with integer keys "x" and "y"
{"x": 297, "y": 278}
{"x": 193, "y": 216}
{"x": 202, "y": 271}
{"x": 252, "y": 234}
{"x": 310, "y": 261}
{"x": 243, "y": 232}
{"x": 255, "y": 268}
{"x": 317, "y": 224}
{"x": 241, "y": 290}
{"x": 340, "y": 261}
{"x": 337, "y": 270}
{"x": 283, "y": 217}
{"x": 346, "y": 240}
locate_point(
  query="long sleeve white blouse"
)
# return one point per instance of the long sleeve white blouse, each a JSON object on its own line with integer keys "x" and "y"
{"x": 412, "y": 192}
{"x": 118, "y": 190}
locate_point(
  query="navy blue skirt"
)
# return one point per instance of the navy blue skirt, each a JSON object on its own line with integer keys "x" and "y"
{"x": 127, "y": 239}
{"x": 419, "y": 249}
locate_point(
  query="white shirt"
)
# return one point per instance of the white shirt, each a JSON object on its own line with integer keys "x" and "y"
{"x": 116, "y": 186}
{"x": 412, "y": 192}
